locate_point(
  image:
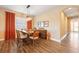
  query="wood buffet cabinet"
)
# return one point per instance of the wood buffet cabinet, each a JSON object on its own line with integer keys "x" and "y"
{"x": 43, "y": 34}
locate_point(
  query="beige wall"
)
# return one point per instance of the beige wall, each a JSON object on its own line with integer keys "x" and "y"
{"x": 2, "y": 24}
{"x": 63, "y": 25}
{"x": 68, "y": 25}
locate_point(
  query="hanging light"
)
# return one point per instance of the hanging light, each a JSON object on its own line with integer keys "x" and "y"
{"x": 28, "y": 6}
{"x": 28, "y": 10}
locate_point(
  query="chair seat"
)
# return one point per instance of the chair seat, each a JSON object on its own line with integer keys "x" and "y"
{"x": 34, "y": 38}
{"x": 23, "y": 36}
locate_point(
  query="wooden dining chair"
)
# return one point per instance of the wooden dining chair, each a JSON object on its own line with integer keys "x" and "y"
{"x": 20, "y": 38}
{"x": 35, "y": 36}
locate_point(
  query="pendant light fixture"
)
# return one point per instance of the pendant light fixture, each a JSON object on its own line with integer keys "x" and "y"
{"x": 28, "y": 10}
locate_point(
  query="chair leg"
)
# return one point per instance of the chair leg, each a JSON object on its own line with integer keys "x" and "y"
{"x": 33, "y": 43}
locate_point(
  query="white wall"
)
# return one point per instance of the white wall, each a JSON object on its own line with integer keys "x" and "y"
{"x": 53, "y": 17}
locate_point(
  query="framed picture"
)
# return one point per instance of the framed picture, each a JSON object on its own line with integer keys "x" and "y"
{"x": 46, "y": 23}
{"x": 40, "y": 24}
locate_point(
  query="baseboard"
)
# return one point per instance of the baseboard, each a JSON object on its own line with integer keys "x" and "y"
{"x": 55, "y": 40}
{"x": 64, "y": 36}
{"x": 59, "y": 40}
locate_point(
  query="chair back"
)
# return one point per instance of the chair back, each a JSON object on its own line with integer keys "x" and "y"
{"x": 18, "y": 34}
{"x": 21, "y": 35}
{"x": 36, "y": 33}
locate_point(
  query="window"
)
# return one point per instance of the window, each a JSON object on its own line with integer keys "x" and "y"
{"x": 20, "y": 23}
{"x": 74, "y": 25}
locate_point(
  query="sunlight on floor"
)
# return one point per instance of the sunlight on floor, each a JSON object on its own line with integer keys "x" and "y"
{"x": 74, "y": 39}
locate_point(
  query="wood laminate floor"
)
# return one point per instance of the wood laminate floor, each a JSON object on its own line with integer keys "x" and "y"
{"x": 69, "y": 44}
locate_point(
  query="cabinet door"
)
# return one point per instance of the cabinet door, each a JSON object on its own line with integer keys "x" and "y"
{"x": 43, "y": 34}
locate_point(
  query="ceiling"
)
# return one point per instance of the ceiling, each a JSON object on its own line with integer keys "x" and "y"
{"x": 72, "y": 11}
{"x": 38, "y": 9}
{"x": 34, "y": 9}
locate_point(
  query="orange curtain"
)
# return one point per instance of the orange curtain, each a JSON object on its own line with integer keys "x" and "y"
{"x": 29, "y": 24}
{"x": 10, "y": 26}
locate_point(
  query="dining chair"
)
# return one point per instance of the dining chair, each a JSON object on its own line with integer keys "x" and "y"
{"x": 20, "y": 38}
{"x": 35, "y": 36}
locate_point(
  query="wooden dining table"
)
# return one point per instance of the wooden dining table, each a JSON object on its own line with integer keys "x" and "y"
{"x": 29, "y": 34}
